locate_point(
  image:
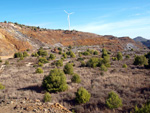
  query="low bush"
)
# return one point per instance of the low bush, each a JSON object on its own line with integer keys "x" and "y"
{"x": 42, "y": 52}
{"x": 114, "y": 58}
{"x": 34, "y": 54}
{"x": 25, "y": 54}
{"x": 113, "y": 100}
{"x": 127, "y": 56}
{"x": 68, "y": 68}
{"x": 95, "y": 52}
{"x": 59, "y": 63}
{"x": 40, "y": 64}
{"x": 119, "y": 56}
{"x": 55, "y": 81}
{"x": 76, "y": 78}
{"x": 47, "y": 97}
{"x": 93, "y": 62}
{"x": 144, "y": 109}
{"x": 124, "y": 66}
{"x": 0, "y": 60}
{"x": 140, "y": 60}
{"x": 103, "y": 67}
{"x": 17, "y": 55}
{"x": 64, "y": 55}
{"x": 83, "y": 64}
{"x": 39, "y": 70}
{"x": 2, "y": 87}
{"x": 82, "y": 95}
{"x": 52, "y": 57}
{"x": 43, "y": 60}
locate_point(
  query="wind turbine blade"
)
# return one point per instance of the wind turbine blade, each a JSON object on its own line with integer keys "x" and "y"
{"x": 71, "y": 13}
{"x": 66, "y": 11}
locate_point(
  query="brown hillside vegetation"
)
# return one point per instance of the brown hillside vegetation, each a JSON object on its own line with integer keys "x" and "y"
{"x": 16, "y": 37}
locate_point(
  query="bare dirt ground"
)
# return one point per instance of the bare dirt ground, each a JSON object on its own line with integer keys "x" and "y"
{"x": 132, "y": 84}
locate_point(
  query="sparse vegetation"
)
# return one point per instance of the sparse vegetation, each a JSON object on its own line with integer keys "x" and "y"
{"x": 93, "y": 62}
{"x": 47, "y": 97}
{"x": 103, "y": 67}
{"x": 82, "y": 95}
{"x": 6, "y": 62}
{"x": 39, "y": 70}
{"x": 59, "y": 63}
{"x": 2, "y": 87}
{"x": 52, "y": 57}
{"x": 113, "y": 100}
{"x": 68, "y": 68}
{"x": 76, "y": 78}
{"x": 0, "y": 60}
{"x": 119, "y": 56}
{"x": 55, "y": 81}
{"x": 42, "y": 52}
{"x": 25, "y": 54}
{"x": 43, "y": 60}
{"x": 140, "y": 60}
{"x": 124, "y": 66}
{"x": 144, "y": 109}
{"x": 18, "y": 55}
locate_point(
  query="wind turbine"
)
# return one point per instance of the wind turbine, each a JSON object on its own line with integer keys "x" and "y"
{"x": 68, "y": 18}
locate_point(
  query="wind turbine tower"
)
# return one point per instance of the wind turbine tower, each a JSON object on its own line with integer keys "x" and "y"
{"x": 68, "y": 18}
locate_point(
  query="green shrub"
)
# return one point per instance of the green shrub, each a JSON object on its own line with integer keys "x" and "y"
{"x": 52, "y": 57}
{"x": 40, "y": 64}
{"x": 83, "y": 64}
{"x": 127, "y": 56}
{"x": 93, "y": 62}
{"x": 82, "y": 95}
{"x": 59, "y": 63}
{"x": 95, "y": 52}
{"x": 144, "y": 109}
{"x": 113, "y": 100}
{"x": 68, "y": 68}
{"x": 119, "y": 56}
{"x": 76, "y": 78}
{"x": 25, "y": 54}
{"x": 80, "y": 54}
{"x": 59, "y": 48}
{"x": 140, "y": 60}
{"x": 86, "y": 53}
{"x": 28, "y": 49}
{"x": 47, "y": 97}
{"x": 39, "y": 70}
{"x": 17, "y": 55}
{"x": 114, "y": 58}
{"x": 1, "y": 86}
{"x": 42, "y": 52}
{"x": 64, "y": 55}
{"x": 6, "y": 62}
{"x": 106, "y": 61}
{"x": 72, "y": 55}
{"x": 60, "y": 52}
{"x": 124, "y": 66}
{"x": 103, "y": 67}
{"x": 34, "y": 54}
{"x": 43, "y": 60}
{"x": 21, "y": 58}
{"x": 104, "y": 53}
{"x": 55, "y": 81}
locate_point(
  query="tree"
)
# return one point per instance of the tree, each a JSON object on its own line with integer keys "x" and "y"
{"x": 43, "y": 60}
{"x": 119, "y": 56}
{"x": 140, "y": 60}
{"x": 113, "y": 100}
{"x": 59, "y": 63}
{"x": 68, "y": 68}
{"x": 55, "y": 81}
{"x": 52, "y": 57}
{"x": 76, "y": 78}
{"x": 82, "y": 95}
{"x": 93, "y": 62}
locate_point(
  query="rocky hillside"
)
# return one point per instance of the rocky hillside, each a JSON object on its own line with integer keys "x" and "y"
{"x": 143, "y": 41}
{"x": 16, "y": 37}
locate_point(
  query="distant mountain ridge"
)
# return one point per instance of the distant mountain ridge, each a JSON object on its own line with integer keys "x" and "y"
{"x": 144, "y": 41}
{"x": 140, "y": 39}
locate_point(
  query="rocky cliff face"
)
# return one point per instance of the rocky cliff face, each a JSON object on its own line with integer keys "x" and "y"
{"x": 15, "y": 37}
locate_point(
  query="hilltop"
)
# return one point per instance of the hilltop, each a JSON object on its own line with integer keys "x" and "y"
{"x": 17, "y": 37}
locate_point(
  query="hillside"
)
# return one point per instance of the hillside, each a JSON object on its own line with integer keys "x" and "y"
{"x": 17, "y": 37}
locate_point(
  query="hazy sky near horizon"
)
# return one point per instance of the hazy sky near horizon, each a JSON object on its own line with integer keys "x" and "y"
{"x": 105, "y": 17}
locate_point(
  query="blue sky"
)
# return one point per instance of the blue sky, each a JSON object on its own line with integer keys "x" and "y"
{"x": 105, "y": 17}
